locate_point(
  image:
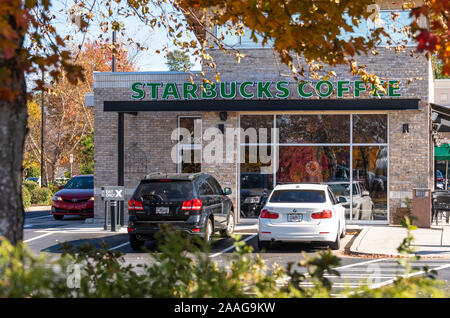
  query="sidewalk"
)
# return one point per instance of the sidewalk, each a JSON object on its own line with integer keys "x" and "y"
{"x": 384, "y": 241}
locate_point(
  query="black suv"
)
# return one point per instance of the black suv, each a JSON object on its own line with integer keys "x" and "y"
{"x": 194, "y": 203}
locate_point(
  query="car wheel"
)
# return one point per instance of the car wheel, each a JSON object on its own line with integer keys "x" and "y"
{"x": 58, "y": 217}
{"x": 263, "y": 245}
{"x": 136, "y": 245}
{"x": 336, "y": 244}
{"x": 207, "y": 235}
{"x": 230, "y": 226}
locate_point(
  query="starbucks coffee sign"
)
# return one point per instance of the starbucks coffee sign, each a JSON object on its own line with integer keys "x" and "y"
{"x": 257, "y": 90}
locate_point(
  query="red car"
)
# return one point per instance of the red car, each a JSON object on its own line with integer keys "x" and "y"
{"x": 75, "y": 198}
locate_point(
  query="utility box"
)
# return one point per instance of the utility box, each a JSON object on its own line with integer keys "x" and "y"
{"x": 421, "y": 207}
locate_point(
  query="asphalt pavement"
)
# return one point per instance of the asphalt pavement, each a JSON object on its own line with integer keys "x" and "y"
{"x": 44, "y": 234}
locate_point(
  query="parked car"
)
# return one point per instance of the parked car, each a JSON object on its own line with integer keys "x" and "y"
{"x": 75, "y": 198}
{"x": 362, "y": 206}
{"x": 193, "y": 203}
{"x": 254, "y": 193}
{"x": 302, "y": 213}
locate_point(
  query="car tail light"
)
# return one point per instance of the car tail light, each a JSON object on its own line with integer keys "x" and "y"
{"x": 135, "y": 205}
{"x": 440, "y": 179}
{"x": 325, "y": 214}
{"x": 195, "y": 204}
{"x": 268, "y": 215}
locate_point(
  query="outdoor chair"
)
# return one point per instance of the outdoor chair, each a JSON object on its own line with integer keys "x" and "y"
{"x": 441, "y": 205}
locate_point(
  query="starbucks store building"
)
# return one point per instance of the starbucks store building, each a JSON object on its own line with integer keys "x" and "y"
{"x": 257, "y": 128}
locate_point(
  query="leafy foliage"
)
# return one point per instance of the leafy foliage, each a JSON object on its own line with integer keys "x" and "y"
{"x": 41, "y": 196}
{"x": 182, "y": 268}
{"x": 179, "y": 61}
{"x": 433, "y": 37}
{"x": 87, "y": 154}
{"x": 26, "y": 197}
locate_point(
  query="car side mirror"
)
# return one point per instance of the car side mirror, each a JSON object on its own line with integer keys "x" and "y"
{"x": 60, "y": 187}
{"x": 365, "y": 193}
{"x": 342, "y": 200}
{"x": 227, "y": 191}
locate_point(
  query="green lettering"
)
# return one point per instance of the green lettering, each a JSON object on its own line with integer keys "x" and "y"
{"x": 394, "y": 86}
{"x": 358, "y": 88}
{"x": 171, "y": 90}
{"x": 375, "y": 92}
{"x": 209, "y": 91}
{"x": 190, "y": 89}
{"x": 302, "y": 92}
{"x": 341, "y": 89}
{"x": 154, "y": 89}
{"x": 243, "y": 92}
{"x": 140, "y": 93}
{"x": 284, "y": 91}
{"x": 319, "y": 86}
{"x": 263, "y": 89}
{"x": 223, "y": 90}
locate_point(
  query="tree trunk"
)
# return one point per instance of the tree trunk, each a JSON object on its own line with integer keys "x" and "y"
{"x": 13, "y": 123}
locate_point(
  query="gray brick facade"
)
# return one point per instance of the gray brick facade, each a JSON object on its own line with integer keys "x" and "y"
{"x": 148, "y": 143}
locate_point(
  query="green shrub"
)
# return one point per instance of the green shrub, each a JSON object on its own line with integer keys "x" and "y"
{"x": 34, "y": 171}
{"x": 26, "y": 197}
{"x": 41, "y": 196}
{"x": 53, "y": 187}
{"x": 182, "y": 268}
{"x": 30, "y": 185}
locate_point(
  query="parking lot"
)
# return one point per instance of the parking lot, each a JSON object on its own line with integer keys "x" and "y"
{"x": 44, "y": 234}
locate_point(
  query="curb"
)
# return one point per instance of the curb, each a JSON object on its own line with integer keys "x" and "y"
{"x": 352, "y": 249}
{"x": 38, "y": 208}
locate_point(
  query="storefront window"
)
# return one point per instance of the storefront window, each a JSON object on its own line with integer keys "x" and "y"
{"x": 314, "y": 129}
{"x": 256, "y": 129}
{"x": 313, "y": 164}
{"x": 355, "y": 171}
{"x": 371, "y": 129}
{"x": 190, "y": 143}
{"x": 370, "y": 179}
{"x": 256, "y": 179}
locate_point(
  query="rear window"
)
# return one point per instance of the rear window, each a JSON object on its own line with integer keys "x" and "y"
{"x": 298, "y": 196}
{"x": 165, "y": 191}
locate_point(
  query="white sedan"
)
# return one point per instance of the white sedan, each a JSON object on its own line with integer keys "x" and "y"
{"x": 302, "y": 213}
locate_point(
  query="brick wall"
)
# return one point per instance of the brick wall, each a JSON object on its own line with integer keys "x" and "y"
{"x": 148, "y": 136}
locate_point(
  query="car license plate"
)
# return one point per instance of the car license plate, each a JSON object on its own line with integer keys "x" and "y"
{"x": 295, "y": 217}
{"x": 162, "y": 210}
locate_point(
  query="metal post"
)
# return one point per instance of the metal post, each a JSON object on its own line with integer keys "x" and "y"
{"x": 113, "y": 206}
{"x": 120, "y": 146}
{"x": 106, "y": 216}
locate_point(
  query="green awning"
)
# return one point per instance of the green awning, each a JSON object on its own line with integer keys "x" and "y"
{"x": 442, "y": 152}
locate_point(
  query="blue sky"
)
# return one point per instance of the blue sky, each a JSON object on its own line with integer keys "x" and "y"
{"x": 145, "y": 60}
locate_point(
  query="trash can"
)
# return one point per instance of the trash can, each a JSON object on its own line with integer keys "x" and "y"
{"x": 421, "y": 207}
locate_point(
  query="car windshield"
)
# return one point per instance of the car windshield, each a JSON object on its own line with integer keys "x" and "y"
{"x": 80, "y": 183}
{"x": 165, "y": 191}
{"x": 342, "y": 189}
{"x": 298, "y": 196}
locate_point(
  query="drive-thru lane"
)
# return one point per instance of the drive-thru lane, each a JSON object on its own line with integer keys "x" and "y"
{"x": 44, "y": 234}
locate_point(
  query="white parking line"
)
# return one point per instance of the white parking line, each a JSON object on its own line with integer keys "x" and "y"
{"x": 118, "y": 246}
{"x": 232, "y": 246}
{"x": 360, "y": 263}
{"x": 38, "y": 237}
